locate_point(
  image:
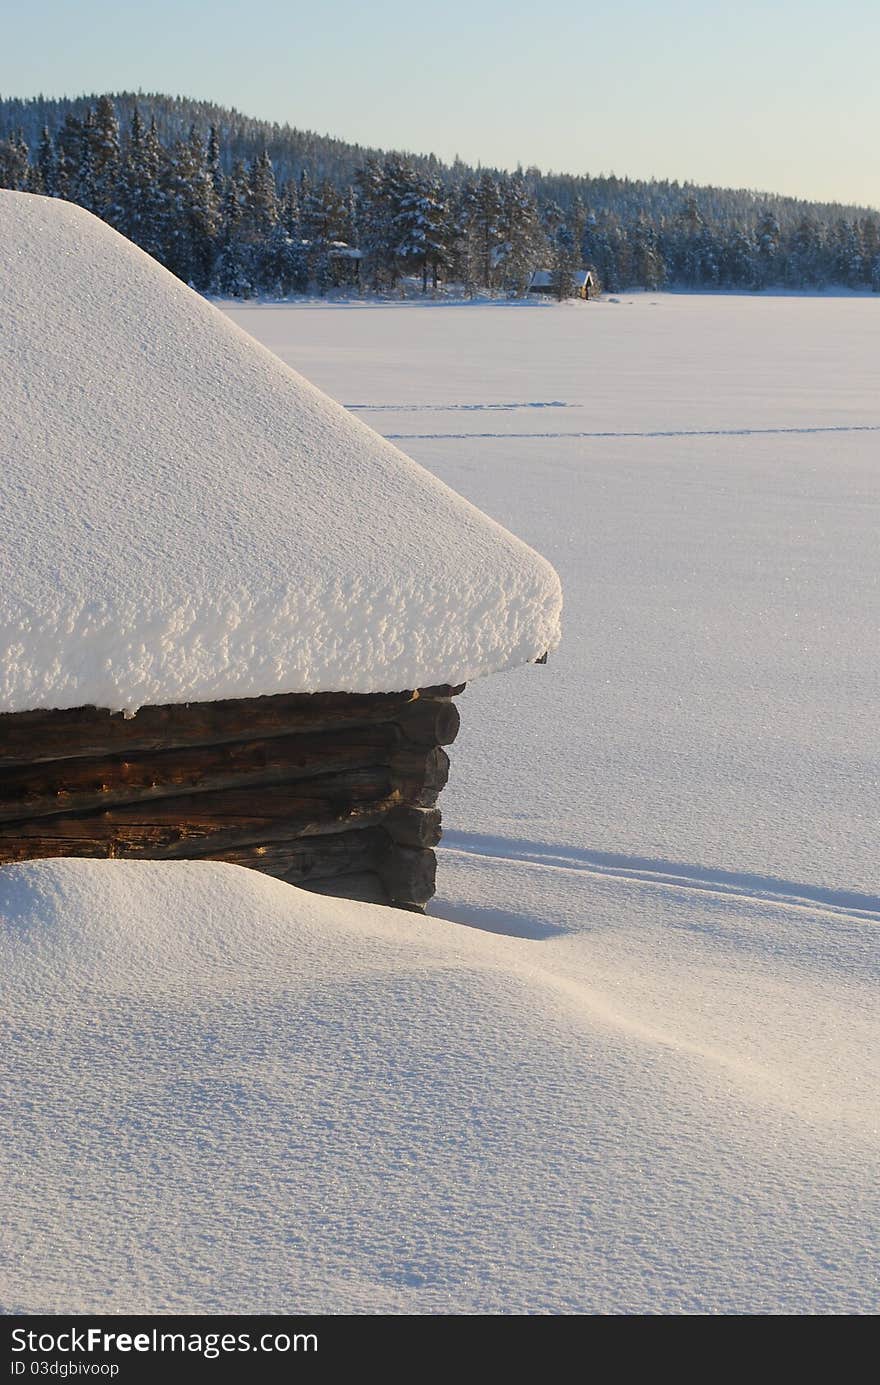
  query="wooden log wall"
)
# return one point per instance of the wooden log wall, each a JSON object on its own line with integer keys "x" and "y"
{"x": 333, "y": 791}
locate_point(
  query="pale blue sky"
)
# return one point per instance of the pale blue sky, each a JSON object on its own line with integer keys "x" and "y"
{"x": 779, "y": 96}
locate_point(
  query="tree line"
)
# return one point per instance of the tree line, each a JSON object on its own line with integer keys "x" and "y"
{"x": 232, "y": 224}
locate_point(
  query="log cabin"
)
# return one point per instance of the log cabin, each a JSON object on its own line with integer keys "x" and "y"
{"x": 583, "y": 283}
{"x": 234, "y": 618}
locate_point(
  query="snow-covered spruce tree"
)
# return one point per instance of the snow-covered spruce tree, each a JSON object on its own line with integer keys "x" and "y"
{"x": 565, "y": 263}
{"x": 193, "y": 219}
{"x": 321, "y": 214}
{"x": 288, "y": 210}
{"x": 178, "y": 248}
{"x": 803, "y": 264}
{"x": 708, "y": 256}
{"x": 246, "y": 241}
{"x": 688, "y": 250}
{"x": 552, "y": 219}
{"x": 144, "y": 208}
{"x": 234, "y": 268}
{"x": 621, "y": 242}
{"x": 598, "y": 249}
{"x": 846, "y": 253}
{"x": 132, "y": 180}
{"x": 438, "y": 230}
{"x": 871, "y": 250}
{"x": 83, "y": 190}
{"x": 103, "y": 138}
{"x": 560, "y": 250}
{"x": 421, "y": 225}
{"x": 576, "y": 221}
{"x": 280, "y": 264}
{"x": 647, "y": 260}
{"x": 350, "y": 217}
{"x": 523, "y": 246}
{"x": 738, "y": 261}
{"x": 398, "y": 193}
{"x": 68, "y": 143}
{"x": 261, "y": 212}
{"x": 14, "y": 163}
{"x": 373, "y": 225}
{"x": 767, "y": 255}
{"x": 466, "y": 242}
{"x": 215, "y": 167}
{"x": 46, "y": 162}
{"x": 202, "y": 212}
{"x": 34, "y": 180}
{"x": 487, "y": 225}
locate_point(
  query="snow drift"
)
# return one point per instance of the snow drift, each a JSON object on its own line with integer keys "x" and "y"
{"x": 231, "y": 1095}
{"x": 184, "y": 518}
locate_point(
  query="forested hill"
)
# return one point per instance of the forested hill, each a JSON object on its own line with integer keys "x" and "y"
{"x": 190, "y": 181}
{"x": 240, "y": 136}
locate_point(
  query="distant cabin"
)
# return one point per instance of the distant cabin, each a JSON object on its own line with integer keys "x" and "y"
{"x": 236, "y": 618}
{"x": 345, "y": 264}
{"x": 583, "y": 283}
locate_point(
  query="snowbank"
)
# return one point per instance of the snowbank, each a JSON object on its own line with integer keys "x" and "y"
{"x": 183, "y": 517}
{"x": 230, "y": 1095}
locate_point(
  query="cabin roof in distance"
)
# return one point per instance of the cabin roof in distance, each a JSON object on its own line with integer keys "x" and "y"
{"x": 183, "y": 517}
{"x": 543, "y": 278}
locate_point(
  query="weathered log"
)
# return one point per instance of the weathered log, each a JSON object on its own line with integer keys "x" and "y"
{"x": 427, "y": 722}
{"x": 419, "y": 827}
{"x": 409, "y": 875}
{"x": 80, "y": 784}
{"x": 301, "y": 860}
{"x": 174, "y": 840}
{"x": 26, "y": 737}
{"x": 323, "y": 794}
{"x": 183, "y": 823}
{"x": 187, "y": 841}
{"x": 420, "y": 775}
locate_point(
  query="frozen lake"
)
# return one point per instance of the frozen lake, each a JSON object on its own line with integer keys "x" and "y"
{"x": 663, "y": 843}
{"x": 703, "y": 472}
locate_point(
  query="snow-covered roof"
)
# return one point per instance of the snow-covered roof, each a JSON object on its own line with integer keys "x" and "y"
{"x": 543, "y": 278}
{"x": 183, "y": 517}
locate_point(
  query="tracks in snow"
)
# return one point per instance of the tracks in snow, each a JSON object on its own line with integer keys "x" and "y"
{"x": 851, "y": 904}
{"x": 596, "y": 433}
{"x": 459, "y": 408}
{"x": 660, "y": 433}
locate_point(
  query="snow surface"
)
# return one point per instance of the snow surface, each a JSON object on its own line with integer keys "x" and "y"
{"x": 629, "y": 1065}
{"x": 702, "y": 472}
{"x": 182, "y": 517}
{"x": 232, "y": 1095}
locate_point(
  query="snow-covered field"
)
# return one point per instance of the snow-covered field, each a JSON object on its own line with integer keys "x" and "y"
{"x": 642, "y": 1077}
{"x": 680, "y": 814}
{"x": 703, "y": 473}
